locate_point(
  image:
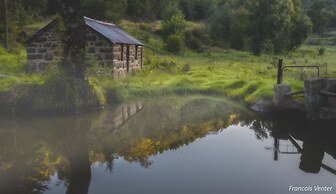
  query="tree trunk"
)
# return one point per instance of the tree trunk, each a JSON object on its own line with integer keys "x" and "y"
{"x": 75, "y": 37}
{"x": 80, "y": 170}
{"x": 6, "y": 24}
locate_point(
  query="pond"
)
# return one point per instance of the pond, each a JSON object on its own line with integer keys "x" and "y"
{"x": 180, "y": 145}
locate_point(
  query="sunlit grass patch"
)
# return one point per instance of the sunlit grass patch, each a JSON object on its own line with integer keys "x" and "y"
{"x": 12, "y": 63}
{"x": 13, "y": 81}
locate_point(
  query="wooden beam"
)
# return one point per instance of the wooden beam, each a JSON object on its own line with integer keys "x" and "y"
{"x": 327, "y": 94}
{"x": 295, "y": 93}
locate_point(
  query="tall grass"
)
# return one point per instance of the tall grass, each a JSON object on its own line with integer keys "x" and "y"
{"x": 226, "y": 72}
{"x": 13, "y": 62}
{"x": 236, "y": 74}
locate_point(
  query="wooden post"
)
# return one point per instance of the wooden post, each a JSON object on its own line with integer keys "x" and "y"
{"x": 127, "y": 57}
{"x": 6, "y": 24}
{"x": 141, "y": 60}
{"x": 276, "y": 149}
{"x": 279, "y": 81}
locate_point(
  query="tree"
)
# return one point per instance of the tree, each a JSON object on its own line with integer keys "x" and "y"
{"x": 301, "y": 26}
{"x": 228, "y": 24}
{"x": 36, "y": 7}
{"x": 145, "y": 9}
{"x": 197, "y": 9}
{"x": 5, "y": 25}
{"x": 173, "y": 21}
{"x": 263, "y": 25}
{"x": 74, "y": 37}
{"x": 273, "y": 24}
{"x": 173, "y": 27}
{"x": 319, "y": 16}
{"x": 105, "y": 9}
{"x": 269, "y": 20}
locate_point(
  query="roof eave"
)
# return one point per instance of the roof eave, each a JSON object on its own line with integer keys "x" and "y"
{"x": 44, "y": 29}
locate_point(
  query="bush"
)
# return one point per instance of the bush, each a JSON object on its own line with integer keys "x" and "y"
{"x": 58, "y": 93}
{"x": 195, "y": 39}
{"x": 12, "y": 62}
{"x": 186, "y": 68}
{"x": 175, "y": 25}
{"x": 175, "y": 43}
{"x": 321, "y": 51}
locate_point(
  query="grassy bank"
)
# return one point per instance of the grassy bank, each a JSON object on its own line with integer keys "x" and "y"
{"x": 235, "y": 74}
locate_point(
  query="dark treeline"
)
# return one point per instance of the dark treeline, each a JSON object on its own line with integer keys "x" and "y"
{"x": 323, "y": 12}
{"x": 258, "y": 25}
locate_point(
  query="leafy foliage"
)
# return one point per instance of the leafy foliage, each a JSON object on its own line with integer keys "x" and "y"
{"x": 173, "y": 28}
{"x": 263, "y": 25}
{"x": 112, "y": 10}
{"x": 197, "y": 9}
{"x": 175, "y": 43}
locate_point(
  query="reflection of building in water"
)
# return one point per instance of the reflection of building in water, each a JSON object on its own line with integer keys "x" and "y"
{"x": 118, "y": 117}
{"x": 69, "y": 145}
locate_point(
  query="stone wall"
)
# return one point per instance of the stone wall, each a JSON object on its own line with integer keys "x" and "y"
{"x": 320, "y": 102}
{"x": 99, "y": 49}
{"x": 122, "y": 65}
{"x": 47, "y": 48}
{"x": 320, "y": 107}
{"x": 43, "y": 50}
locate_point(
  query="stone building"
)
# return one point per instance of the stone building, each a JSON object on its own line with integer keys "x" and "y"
{"x": 107, "y": 45}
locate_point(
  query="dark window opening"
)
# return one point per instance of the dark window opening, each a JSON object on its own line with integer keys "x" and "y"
{"x": 141, "y": 59}
{"x": 136, "y": 52}
{"x": 127, "y": 57}
{"x": 122, "y": 53}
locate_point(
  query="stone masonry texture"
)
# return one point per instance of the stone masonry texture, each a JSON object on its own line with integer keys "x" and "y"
{"x": 120, "y": 59}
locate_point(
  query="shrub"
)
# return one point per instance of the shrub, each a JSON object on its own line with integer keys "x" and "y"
{"x": 193, "y": 41}
{"x": 175, "y": 25}
{"x": 321, "y": 51}
{"x": 12, "y": 62}
{"x": 59, "y": 93}
{"x": 186, "y": 68}
{"x": 175, "y": 43}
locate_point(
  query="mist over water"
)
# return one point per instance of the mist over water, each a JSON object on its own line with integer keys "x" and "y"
{"x": 185, "y": 144}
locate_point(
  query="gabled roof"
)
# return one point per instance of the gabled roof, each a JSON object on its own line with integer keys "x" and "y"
{"x": 110, "y": 31}
{"x": 45, "y": 28}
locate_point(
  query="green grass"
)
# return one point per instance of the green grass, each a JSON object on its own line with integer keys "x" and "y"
{"x": 236, "y": 74}
{"x": 8, "y": 83}
{"x": 205, "y": 76}
{"x": 12, "y": 63}
{"x": 232, "y": 73}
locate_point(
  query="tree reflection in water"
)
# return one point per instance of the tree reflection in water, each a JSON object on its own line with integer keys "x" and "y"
{"x": 32, "y": 150}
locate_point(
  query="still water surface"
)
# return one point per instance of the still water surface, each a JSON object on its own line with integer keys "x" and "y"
{"x": 172, "y": 145}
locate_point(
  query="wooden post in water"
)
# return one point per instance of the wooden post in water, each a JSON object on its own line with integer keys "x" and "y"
{"x": 279, "y": 80}
{"x": 276, "y": 149}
